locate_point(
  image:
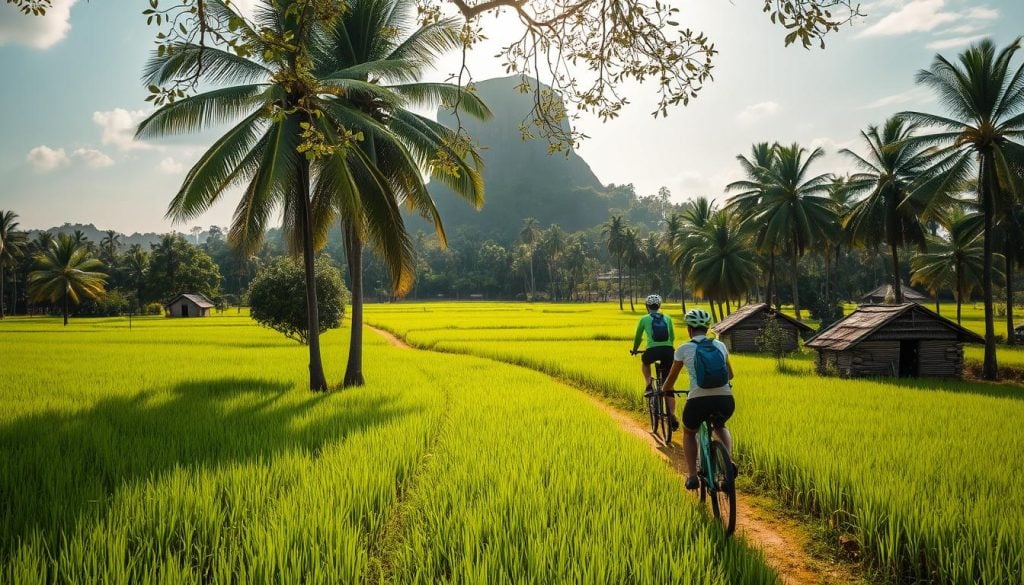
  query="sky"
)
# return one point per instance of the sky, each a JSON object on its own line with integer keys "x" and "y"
{"x": 71, "y": 97}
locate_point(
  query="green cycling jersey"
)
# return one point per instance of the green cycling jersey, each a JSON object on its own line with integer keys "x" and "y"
{"x": 644, "y": 329}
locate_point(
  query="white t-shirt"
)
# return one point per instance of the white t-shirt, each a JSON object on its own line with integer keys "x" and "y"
{"x": 686, "y": 353}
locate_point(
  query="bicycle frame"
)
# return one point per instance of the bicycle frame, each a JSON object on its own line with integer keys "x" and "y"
{"x": 704, "y": 456}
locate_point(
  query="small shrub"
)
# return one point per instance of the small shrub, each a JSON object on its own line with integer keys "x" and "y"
{"x": 772, "y": 339}
{"x": 153, "y": 309}
{"x": 277, "y": 297}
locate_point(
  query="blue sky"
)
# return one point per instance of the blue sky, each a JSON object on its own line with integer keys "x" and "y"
{"x": 72, "y": 95}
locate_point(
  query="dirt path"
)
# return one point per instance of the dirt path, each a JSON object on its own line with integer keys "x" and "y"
{"x": 784, "y": 541}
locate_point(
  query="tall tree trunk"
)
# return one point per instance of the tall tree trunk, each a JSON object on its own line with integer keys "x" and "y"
{"x": 317, "y": 380}
{"x": 828, "y": 278}
{"x": 65, "y": 306}
{"x": 354, "y": 255}
{"x": 632, "y": 307}
{"x": 533, "y": 283}
{"x": 770, "y": 286}
{"x": 1008, "y": 252}
{"x": 728, "y": 307}
{"x": 991, "y": 368}
{"x": 938, "y": 308}
{"x": 682, "y": 290}
{"x": 711, "y": 305}
{"x": 620, "y": 283}
{"x": 14, "y": 290}
{"x": 897, "y": 286}
{"x": 796, "y": 284}
{"x": 721, "y": 313}
{"x": 1, "y": 292}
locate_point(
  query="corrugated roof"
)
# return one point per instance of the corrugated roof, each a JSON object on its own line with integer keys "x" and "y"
{"x": 200, "y": 300}
{"x": 748, "y": 311}
{"x": 909, "y": 294}
{"x": 867, "y": 319}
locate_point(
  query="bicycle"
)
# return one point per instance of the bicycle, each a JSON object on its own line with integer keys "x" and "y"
{"x": 657, "y": 405}
{"x": 715, "y": 473}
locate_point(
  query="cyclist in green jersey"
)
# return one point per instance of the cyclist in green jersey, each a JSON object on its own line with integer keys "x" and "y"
{"x": 661, "y": 337}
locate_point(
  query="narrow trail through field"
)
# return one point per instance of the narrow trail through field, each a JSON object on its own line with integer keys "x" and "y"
{"x": 785, "y": 542}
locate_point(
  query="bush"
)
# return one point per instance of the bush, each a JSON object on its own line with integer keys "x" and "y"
{"x": 277, "y": 297}
{"x": 772, "y": 340}
{"x": 826, "y": 313}
{"x": 153, "y": 309}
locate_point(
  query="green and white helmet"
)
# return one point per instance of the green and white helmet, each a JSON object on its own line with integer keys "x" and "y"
{"x": 698, "y": 318}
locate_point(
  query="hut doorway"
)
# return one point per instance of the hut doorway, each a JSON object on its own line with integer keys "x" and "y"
{"x": 910, "y": 359}
{"x": 184, "y": 310}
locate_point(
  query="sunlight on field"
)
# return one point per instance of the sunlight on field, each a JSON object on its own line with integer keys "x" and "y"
{"x": 923, "y": 472}
{"x": 189, "y": 450}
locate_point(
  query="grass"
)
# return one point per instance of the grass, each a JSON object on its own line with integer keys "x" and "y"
{"x": 186, "y": 451}
{"x": 924, "y": 473}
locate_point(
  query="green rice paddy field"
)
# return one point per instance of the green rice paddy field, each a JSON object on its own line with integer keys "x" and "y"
{"x": 184, "y": 451}
{"x": 188, "y": 451}
{"x": 926, "y": 474}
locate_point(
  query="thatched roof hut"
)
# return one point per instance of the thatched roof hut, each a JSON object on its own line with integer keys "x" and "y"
{"x": 739, "y": 330}
{"x": 906, "y": 340}
{"x": 878, "y": 296}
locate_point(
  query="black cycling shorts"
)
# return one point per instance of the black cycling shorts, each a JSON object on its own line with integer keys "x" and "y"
{"x": 664, "y": 354}
{"x": 698, "y": 410}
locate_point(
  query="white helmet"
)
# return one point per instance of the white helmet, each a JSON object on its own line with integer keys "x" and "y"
{"x": 697, "y": 318}
{"x": 653, "y": 300}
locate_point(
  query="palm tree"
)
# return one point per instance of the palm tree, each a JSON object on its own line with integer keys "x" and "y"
{"x": 983, "y": 97}
{"x": 375, "y": 70}
{"x": 65, "y": 273}
{"x": 750, "y": 197}
{"x": 552, "y": 242}
{"x": 673, "y": 235}
{"x": 794, "y": 212}
{"x": 136, "y": 261}
{"x": 529, "y": 235}
{"x": 12, "y": 246}
{"x": 614, "y": 230}
{"x": 272, "y": 90}
{"x": 724, "y": 264}
{"x": 633, "y": 256}
{"x": 885, "y": 214}
{"x": 956, "y": 262}
{"x": 842, "y": 202}
{"x": 109, "y": 245}
{"x": 696, "y": 215}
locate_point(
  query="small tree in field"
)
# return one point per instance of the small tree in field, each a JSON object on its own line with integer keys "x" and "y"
{"x": 772, "y": 340}
{"x": 277, "y": 297}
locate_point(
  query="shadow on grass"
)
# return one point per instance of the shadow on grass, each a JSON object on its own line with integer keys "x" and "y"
{"x": 58, "y": 467}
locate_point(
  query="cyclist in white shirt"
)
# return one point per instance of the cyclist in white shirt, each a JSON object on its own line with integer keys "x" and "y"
{"x": 701, "y": 403}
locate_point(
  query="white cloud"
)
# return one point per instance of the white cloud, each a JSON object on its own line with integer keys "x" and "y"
{"x": 954, "y": 42}
{"x": 93, "y": 158}
{"x": 928, "y": 15}
{"x": 119, "y": 127}
{"x": 915, "y": 16}
{"x": 45, "y": 159}
{"x": 915, "y": 95}
{"x": 757, "y": 112}
{"x": 169, "y": 166}
{"x": 40, "y": 32}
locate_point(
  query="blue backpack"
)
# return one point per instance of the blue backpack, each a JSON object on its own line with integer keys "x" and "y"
{"x": 710, "y": 365}
{"x": 659, "y": 327}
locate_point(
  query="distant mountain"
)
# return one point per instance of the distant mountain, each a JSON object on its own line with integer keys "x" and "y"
{"x": 522, "y": 180}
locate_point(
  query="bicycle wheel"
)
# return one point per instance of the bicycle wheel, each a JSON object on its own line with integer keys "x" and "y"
{"x": 723, "y": 491}
{"x": 652, "y": 409}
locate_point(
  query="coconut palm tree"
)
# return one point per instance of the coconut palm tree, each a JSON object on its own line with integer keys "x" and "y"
{"x": 376, "y": 69}
{"x": 66, "y": 273}
{"x": 109, "y": 245}
{"x": 529, "y": 236}
{"x": 633, "y": 256}
{"x": 794, "y": 212}
{"x": 136, "y": 262}
{"x": 724, "y": 264}
{"x": 277, "y": 148}
{"x": 983, "y": 95}
{"x": 12, "y": 246}
{"x": 750, "y": 193}
{"x": 553, "y": 243}
{"x": 956, "y": 262}
{"x": 885, "y": 214}
{"x": 614, "y": 231}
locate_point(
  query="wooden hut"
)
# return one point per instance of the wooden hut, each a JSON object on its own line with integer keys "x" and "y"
{"x": 189, "y": 305}
{"x": 906, "y": 340}
{"x": 739, "y": 330}
{"x": 877, "y": 296}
